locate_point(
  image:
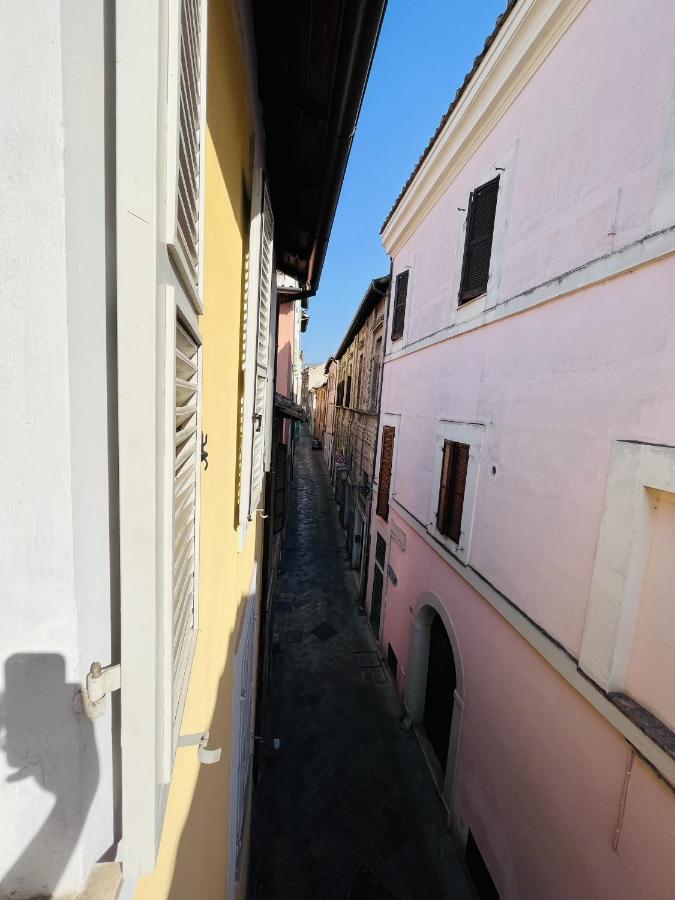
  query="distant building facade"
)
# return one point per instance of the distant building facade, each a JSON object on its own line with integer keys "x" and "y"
{"x": 521, "y": 565}
{"x": 358, "y": 364}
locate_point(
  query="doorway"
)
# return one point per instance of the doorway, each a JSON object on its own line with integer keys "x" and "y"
{"x": 440, "y": 691}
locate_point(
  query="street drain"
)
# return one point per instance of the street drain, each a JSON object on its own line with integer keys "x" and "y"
{"x": 369, "y": 667}
{"x": 373, "y": 675}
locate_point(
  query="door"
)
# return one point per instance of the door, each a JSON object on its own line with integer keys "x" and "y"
{"x": 440, "y": 693}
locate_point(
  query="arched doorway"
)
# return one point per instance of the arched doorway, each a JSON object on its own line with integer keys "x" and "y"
{"x": 434, "y": 695}
{"x": 439, "y": 698}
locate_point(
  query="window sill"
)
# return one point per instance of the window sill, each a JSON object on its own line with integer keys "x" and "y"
{"x": 647, "y": 722}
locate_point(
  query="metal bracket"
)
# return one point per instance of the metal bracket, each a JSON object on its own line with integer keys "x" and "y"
{"x": 200, "y": 740}
{"x": 101, "y": 680}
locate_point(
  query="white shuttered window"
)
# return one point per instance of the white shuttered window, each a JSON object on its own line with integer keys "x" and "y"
{"x": 266, "y": 272}
{"x": 186, "y": 460}
{"x": 186, "y": 143}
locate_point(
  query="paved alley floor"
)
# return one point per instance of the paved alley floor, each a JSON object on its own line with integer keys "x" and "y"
{"x": 346, "y": 807}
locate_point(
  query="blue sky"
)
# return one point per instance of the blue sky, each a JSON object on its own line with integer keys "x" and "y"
{"x": 426, "y": 48}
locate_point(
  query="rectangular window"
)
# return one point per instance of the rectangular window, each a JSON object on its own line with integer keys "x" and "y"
{"x": 400, "y": 297}
{"x": 375, "y": 375}
{"x": 480, "y": 226}
{"x": 260, "y": 349}
{"x": 280, "y": 487}
{"x": 185, "y": 145}
{"x": 348, "y": 392}
{"x": 386, "y": 462}
{"x": 451, "y": 494}
{"x": 186, "y": 458}
{"x": 380, "y": 550}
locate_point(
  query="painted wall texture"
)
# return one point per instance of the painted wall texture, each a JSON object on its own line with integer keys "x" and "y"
{"x": 193, "y": 856}
{"x": 585, "y": 154}
{"x": 58, "y": 562}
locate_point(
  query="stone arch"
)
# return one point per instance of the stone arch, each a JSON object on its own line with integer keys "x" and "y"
{"x": 429, "y": 606}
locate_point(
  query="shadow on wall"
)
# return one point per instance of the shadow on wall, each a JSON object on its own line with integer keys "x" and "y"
{"x": 202, "y": 863}
{"x": 45, "y": 735}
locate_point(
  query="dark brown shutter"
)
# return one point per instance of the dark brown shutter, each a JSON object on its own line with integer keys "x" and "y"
{"x": 453, "y": 484}
{"x": 399, "y": 305}
{"x": 478, "y": 244}
{"x": 386, "y": 461}
{"x": 280, "y": 486}
{"x": 443, "y": 491}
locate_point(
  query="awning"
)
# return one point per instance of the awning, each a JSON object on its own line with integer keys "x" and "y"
{"x": 287, "y": 409}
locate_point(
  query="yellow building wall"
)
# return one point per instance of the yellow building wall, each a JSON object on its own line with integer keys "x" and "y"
{"x": 193, "y": 855}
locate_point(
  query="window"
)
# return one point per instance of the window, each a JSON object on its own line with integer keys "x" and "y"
{"x": 386, "y": 463}
{"x": 454, "y": 485}
{"x": 185, "y": 145}
{"x": 398, "y": 318}
{"x": 358, "y": 391}
{"x": 258, "y": 347}
{"x": 375, "y": 375}
{"x": 280, "y": 487}
{"x": 348, "y": 392}
{"x": 480, "y": 224}
{"x": 185, "y": 478}
{"x": 454, "y": 470}
{"x": 629, "y": 637}
{"x": 380, "y": 549}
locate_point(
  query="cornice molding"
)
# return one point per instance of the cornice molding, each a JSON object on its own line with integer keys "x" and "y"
{"x": 527, "y": 38}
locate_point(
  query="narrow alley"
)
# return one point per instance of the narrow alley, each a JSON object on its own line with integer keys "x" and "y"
{"x": 346, "y": 807}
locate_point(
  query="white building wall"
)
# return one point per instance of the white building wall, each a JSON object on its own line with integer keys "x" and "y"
{"x": 56, "y": 786}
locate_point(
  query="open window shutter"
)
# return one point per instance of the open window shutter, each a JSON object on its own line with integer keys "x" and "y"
{"x": 266, "y": 272}
{"x": 186, "y": 461}
{"x": 443, "y": 490}
{"x": 280, "y": 487}
{"x": 478, "y": 243}
{"x": 386, "y": 462}
{"x": 453, "y": 484}
{"x": 400, "y": 298}
{"x": 186, "y": 143}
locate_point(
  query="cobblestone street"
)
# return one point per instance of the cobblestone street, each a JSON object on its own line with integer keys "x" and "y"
{"x": 346, "y": 807}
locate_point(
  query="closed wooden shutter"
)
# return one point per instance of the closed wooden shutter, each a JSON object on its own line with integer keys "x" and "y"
{"x": 451, "y": 493}
{"x": 478, "y": 243}
{"x": 280, "y": 486}
{"x": 400, "y": 298}
{"x": 386, "y": 462}
{"x": 376, "y": 599}
{"x": 186, "y": 472}
{"x": 189, "y": 139}
{"x": 262, "y": 353}
{"x": 380, "y": 549}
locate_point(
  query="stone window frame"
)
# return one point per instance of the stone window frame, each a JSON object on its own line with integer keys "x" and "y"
{"x": 470, "y": 433}
{"x": 621, "y": 558}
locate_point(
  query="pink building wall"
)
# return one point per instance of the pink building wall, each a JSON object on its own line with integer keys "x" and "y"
{"x": 540, "y": 772}
{"x": 285, "y": 354}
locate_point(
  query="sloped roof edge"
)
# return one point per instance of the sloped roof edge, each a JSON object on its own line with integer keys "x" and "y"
{"x": 501, "y": 19}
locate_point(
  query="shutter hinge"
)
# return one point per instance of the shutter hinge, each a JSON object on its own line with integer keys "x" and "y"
{"x": 101, "y": 680}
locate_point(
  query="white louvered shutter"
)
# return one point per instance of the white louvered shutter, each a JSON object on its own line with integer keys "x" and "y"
{"x": 185, "y": 504}
{"x": 262, "y": 349}
{"x": 186, "y": 153}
